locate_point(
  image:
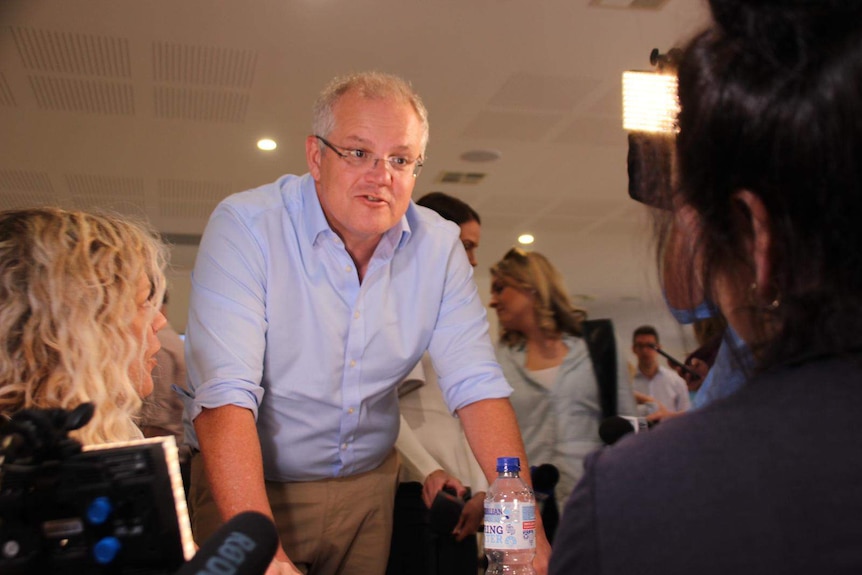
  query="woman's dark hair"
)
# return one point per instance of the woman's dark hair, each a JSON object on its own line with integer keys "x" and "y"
{"x": 771, "y": 103}
{"x": 450, "y": 208}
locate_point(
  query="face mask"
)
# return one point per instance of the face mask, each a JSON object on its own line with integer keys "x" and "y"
{"x": 704, "y": 310}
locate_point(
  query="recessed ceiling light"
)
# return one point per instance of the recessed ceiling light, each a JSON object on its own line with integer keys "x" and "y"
{"x": 267, "y": 144}
{"x": 481, "y": 155}
{"x": 526, "y": 239}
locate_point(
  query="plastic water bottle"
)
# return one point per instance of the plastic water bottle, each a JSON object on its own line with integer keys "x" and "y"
{"x": 510, "y": 521}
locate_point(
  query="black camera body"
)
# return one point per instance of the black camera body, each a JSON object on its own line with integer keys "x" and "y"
{"x": 107, "y": 510}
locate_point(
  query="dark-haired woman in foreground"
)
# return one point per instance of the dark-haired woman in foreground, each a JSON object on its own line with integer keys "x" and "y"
{"x": 768, "y": 480}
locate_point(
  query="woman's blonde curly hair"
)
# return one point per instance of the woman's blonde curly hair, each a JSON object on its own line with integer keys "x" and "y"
{"x": 68, "y": 285}
{"x": 533, "y": 273}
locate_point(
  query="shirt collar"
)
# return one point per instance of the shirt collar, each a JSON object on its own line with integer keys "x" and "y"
{"x": 317, "y": 227}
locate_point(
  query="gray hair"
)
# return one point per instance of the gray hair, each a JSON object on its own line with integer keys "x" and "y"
{"x": 371, "y": 85}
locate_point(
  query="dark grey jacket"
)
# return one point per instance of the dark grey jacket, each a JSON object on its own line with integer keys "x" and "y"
{"x": 766, "y": 481}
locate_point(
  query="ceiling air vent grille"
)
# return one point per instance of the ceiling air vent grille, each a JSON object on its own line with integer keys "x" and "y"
{"x": 182, "y": 239}
{"x": 187, "y": 199}
{"x": 23, "y": 189}
{"x": 6, "y": 97}
{"x": 461, "y": 178}
{"x": 21, "y": 180}
{"x": 200, "y": 105}
{"x": 203, "y": 66}
{"x": 125, "y": 195}
{"x": 90, "y": 96}
{"x": 78, "y": 54}
{"x": 26, "y": 200}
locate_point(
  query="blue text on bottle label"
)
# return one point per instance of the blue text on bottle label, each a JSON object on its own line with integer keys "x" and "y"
{"x": 510, "y": 525}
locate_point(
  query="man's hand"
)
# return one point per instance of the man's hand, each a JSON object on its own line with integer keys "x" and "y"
{"x": 543, "y": 553}
{"x": 701, "y": 368}
{"x": 660, "y": 412}
{"x": 471, "y": 517}
{"x": 436, "y": 481}
{"x": 282, "y": 568}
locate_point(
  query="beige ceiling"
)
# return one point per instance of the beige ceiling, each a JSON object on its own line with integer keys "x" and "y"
{"x": 153, "y": 107}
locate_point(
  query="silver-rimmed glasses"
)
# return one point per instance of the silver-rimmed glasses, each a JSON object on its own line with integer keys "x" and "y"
{"x": 362, "y": 159}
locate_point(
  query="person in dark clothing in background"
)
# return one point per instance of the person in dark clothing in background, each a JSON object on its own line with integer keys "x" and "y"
{"x": 769, "y": 190}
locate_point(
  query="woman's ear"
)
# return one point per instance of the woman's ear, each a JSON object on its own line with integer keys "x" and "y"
{"x": 761, "y": 240}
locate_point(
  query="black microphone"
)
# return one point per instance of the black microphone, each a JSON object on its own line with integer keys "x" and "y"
{"x": 545, "y": 477}
{"x": 613, "y": 428}
{"x": 245, "y": 545}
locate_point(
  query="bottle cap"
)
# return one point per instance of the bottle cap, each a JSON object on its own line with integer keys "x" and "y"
{"x": 508, "y": 464}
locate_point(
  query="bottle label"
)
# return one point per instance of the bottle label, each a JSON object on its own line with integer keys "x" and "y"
{"x": 510, "y": 525}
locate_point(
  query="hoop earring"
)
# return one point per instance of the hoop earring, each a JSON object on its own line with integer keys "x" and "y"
{"x": 771, "y": 306}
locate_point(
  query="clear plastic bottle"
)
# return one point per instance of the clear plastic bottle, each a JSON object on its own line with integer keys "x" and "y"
{"x": 510, "y": 521}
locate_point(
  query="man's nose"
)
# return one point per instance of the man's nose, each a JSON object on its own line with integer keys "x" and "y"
{"x": 380, "y": 174}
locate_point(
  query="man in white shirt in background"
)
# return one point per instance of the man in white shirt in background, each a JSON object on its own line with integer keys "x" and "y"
{"x": 659, "y": 382}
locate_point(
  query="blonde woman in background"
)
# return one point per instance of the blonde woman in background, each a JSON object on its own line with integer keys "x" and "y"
{"x": 79, "y": 312}
{"x": 547, "y": 363}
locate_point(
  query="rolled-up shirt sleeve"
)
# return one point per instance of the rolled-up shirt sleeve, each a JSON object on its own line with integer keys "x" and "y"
{"x": 226, "y": 330}
{"x": 460, "y": 348}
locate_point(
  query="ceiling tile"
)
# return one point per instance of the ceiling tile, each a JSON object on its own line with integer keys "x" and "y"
{"x": 203, "y": 65}
{"x": 512, "y": 125}
{"x": 542, "y": 93}
{"x": 89, "y": 96}
{"x": 596, "y": 130}
{"x": 6, "y": 96}
{"x": 72, "y": 53}
{"x": 186, "y": 198}
{"x": 199, "y": 105}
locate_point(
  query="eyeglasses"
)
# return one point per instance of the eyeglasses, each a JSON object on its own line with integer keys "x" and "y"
{"x": 644, "y": 346}
{"x": 362, "y": 159}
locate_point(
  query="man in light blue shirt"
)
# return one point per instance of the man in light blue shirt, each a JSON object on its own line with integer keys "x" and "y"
{"x": 312, "y": 298}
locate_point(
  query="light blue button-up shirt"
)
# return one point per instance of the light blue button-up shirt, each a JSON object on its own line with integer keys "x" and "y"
{"x": 279, "y": 324}
{"x": 732, "y": 366}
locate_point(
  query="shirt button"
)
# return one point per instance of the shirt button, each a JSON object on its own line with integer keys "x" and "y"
{"x": 356, "y": 315}
{"x": 351, "y": 410}
{"x": 348, "y": 269}
{"x": 343, "y": 446}
{"x": 352, "y": 363}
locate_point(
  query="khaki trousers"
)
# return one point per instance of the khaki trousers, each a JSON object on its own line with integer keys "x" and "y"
{"x": 338, "y": 526}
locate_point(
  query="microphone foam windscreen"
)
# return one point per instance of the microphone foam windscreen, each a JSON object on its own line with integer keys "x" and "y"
{"x": 611, "y": 429}
{"x": 545, "y": 477}
{"x": 245, "y": 545}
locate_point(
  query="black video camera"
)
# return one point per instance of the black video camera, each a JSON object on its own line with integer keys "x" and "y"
{"x": 103, "y": 510}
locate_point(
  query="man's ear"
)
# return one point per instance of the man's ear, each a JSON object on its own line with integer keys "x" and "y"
{"x": 312, "y": 157}
{"x": 761, "y": 240}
